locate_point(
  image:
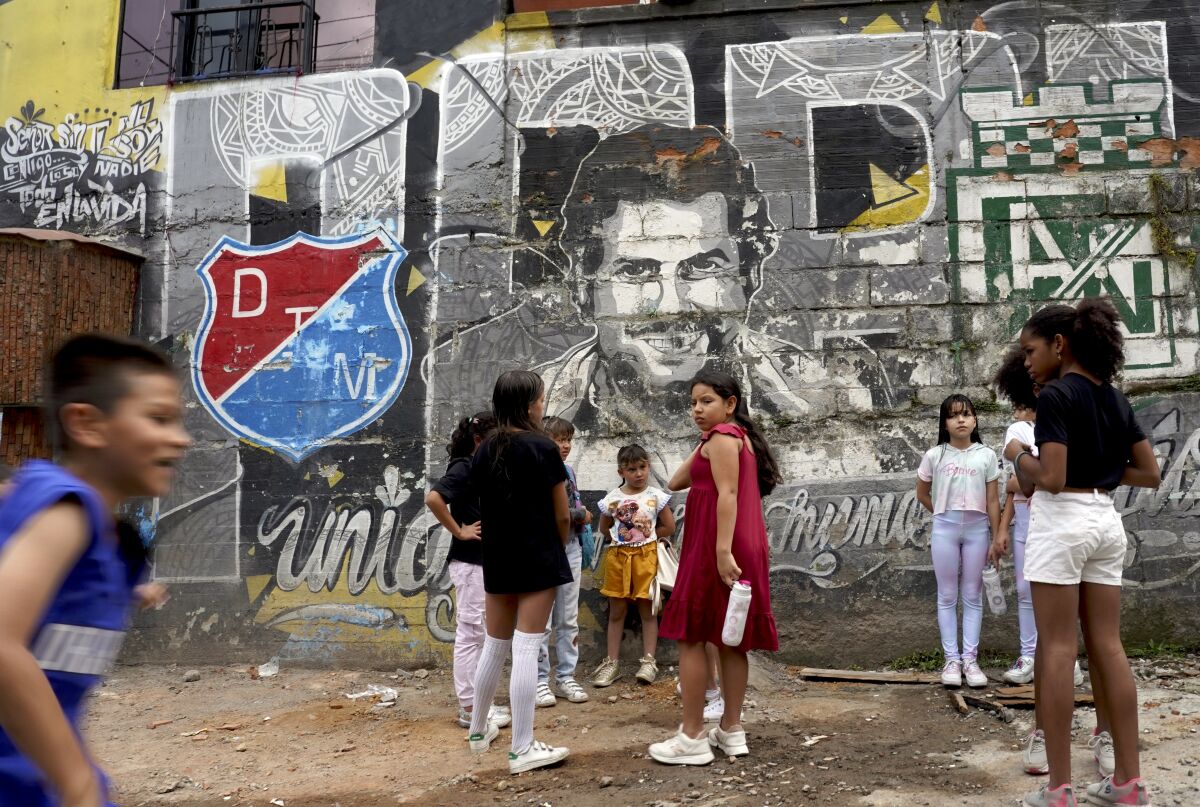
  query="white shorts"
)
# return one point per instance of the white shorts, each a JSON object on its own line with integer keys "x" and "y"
{"x": 1074, "y": 538}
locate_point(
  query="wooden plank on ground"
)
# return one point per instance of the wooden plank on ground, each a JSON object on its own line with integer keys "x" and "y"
{"x": 1081, "y": 699}
{"x": 959, "y": 703}
{"x": 868, "y": 676}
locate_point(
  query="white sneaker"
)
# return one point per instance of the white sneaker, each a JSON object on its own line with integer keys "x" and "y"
{"x": 683, "y": 750}
{"x": 1102, "y": 749}
{"x": 714, "y": 710}
{"x": 731, "y": 743}
{"x": 1078, "y": 675}
{"x": 572, "y": 691}
{"x": 952, "y": 674}
{"x": 544, "y": 696}
{"x": 497, "y": 714}
{"x": 537, "y": 755}
{"x": 1021, "y": 672}
{"x": 975, "y": 677}
{"x": 480, "y": 743}
{"x": 1034, "y": 756}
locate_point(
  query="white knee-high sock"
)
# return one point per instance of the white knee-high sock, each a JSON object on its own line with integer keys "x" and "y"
{"x": 487, "y": 676}
{"x": 522, "y": 687}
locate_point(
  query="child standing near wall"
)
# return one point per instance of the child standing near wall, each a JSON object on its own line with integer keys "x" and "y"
{"x": 957, "y": 482}
{"x": 633, "y": 517}
{"x": 455, "y": 504}
{"x": 725, "y": 541}
{"x": 1012, "y": 381}
{"x": 67, "y": 573}
{"x": 525, "y": 522}
{"x": 1090, "y": 443}
{"x": 564, "y": 619}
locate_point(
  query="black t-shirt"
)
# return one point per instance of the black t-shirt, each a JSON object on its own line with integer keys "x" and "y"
{"x": 1096, "y": 424}
{"x": 455, "y": 488}
{"x": 522, "y": 550}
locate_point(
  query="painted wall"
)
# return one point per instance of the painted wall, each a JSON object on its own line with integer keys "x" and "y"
{"x": 853, "y": 207}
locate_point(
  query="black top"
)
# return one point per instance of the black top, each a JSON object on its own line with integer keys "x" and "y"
{"x": 455, "y": 488}
{"x": 522, "y": 550}
{"x": 1096, "y": 424}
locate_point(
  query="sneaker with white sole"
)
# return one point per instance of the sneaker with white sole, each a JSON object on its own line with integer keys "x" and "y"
{"x": 683, "y": 750}
{"x": 537, "y": 755}
{"x": 1105, "y": 792}
{"x": 1034, "y": 757}
{"x": 1078, "y": 675}
{"x": 648, "y": 670}
{"x": 608, "y": 671}
{"x": 1061, "y": 796}
{"x": 952, "y": 674}
{"x": 1101, "y": 744}
{"x": 731, "y": 743}
{"x": 544, "y": 696}
{"x": 497, "y": 714}
{"x": 714, "y": 710}
{"x": 1021, "y": 672}
{"x": 570, "y": 689}
{"x": 976, "y": 678}
{"x": 480, "y": 743}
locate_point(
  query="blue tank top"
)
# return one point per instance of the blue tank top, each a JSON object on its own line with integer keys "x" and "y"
{"x": 81, "y": 632}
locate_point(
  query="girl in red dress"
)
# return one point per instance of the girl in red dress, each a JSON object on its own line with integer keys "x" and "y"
{"x": 724, "y": 540}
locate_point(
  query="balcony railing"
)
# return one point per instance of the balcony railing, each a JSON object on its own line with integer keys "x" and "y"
{"x": 244, "y": 40}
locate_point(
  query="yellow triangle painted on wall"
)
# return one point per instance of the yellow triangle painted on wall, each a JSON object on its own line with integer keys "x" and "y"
{"x": 415, "y": 279}
{"x": 1028, "y": 100}
{"x": 844, "y": 20}
{"x": 908, "y": 201}
{"x": 543, "y": 226}
{"x": 255, "y": 585}
{"x": 270, "y": 182}
{"x": 886, "y": 190}
{"x": 883, "y": 24}
{"x": 934, "y": 14}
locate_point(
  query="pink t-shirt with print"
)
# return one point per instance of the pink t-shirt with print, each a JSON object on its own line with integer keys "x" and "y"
{"x": 959, "y": 476}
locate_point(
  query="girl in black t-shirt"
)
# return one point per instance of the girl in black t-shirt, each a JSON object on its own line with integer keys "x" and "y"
{"x": 455, "y": 504}
{"x": 526, "y": 521}
{"x": 1089, "y": 443}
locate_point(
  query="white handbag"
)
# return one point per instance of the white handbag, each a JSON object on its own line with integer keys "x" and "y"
{"x": 664, "y": 578}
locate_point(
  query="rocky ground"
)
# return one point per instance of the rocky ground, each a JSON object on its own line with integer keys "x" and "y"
{"x": 217, "y": 736}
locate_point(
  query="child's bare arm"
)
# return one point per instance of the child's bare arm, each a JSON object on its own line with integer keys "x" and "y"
{"x": 606, "y": 525}
{"x": 665, "y": 527}
{"x": 441, "y": 511}
{"x": 925, "y": 493}
{"x": 33, "y": 565}
{"x": 562, "y": 510}
{"x": 682, "y": 478}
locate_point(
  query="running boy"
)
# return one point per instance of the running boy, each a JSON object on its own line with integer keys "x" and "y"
{"x": 564, "y": 619}
{"x": 633, "y": 517}
{"x": 116, "y": 417}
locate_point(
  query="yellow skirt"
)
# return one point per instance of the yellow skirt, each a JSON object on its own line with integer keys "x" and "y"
{"x": 629, "y": 570}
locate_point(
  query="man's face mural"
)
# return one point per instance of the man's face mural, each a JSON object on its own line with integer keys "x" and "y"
{"x": 667, "y": 236}
{"x": 669, "y": 286}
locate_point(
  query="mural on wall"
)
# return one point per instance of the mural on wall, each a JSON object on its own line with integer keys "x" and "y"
{"x": 88, "y": 172}
{"x": 859, "y": 229}
{"x": 301, "y": 341}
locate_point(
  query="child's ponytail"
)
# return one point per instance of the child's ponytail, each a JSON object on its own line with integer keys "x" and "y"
{"x": 726, "y": 386}
{"x": 468, "y": 430}
{"x": 1092, "y": 328}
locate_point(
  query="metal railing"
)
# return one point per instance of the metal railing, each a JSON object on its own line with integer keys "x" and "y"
{"x": 253, "y": 39}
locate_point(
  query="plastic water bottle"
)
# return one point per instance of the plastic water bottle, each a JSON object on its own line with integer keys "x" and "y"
{"x": 736, "y": 614}
{"x": 994, "y": 591}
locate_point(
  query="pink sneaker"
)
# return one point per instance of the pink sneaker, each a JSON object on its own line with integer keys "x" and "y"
{"x": 1105, "y": 792}
{"x": 1061, "y": 796}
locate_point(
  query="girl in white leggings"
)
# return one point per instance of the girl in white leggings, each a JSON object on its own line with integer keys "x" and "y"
{"x": 957, "y": 482}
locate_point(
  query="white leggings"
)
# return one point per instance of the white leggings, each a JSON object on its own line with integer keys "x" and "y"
{"x": 1024, "y": 599}
{"x": 960, "y": 542}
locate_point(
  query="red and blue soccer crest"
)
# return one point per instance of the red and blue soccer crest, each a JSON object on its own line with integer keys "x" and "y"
{"x": 301, "y": 341}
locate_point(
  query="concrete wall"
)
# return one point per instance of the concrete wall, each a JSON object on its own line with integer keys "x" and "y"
{"x": 852, "y": 206}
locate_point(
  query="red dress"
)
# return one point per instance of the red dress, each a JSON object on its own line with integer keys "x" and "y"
{"x": 696, "y": 609}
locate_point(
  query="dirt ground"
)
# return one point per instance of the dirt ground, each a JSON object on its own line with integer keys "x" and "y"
{"x": 296, "y": 739}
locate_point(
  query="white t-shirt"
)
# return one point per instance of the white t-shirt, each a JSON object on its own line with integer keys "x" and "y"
{"x": 1021, "y": 430}
{"x": 634, "y": 515}
{"x": 959, "y": 476}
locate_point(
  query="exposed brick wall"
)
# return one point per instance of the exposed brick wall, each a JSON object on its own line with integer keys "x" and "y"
{"x": 23, "y": 435}
{"x": 49, "y": 290}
